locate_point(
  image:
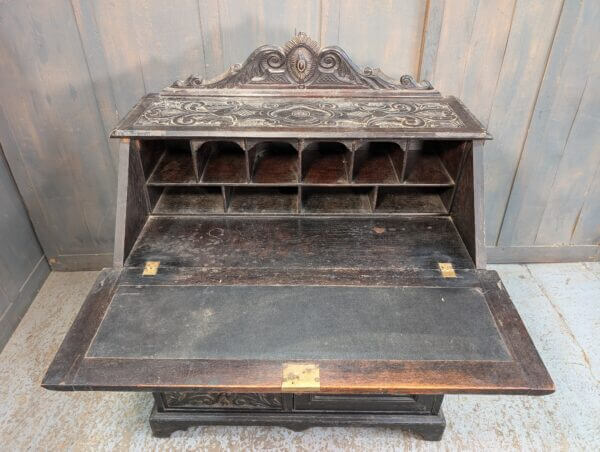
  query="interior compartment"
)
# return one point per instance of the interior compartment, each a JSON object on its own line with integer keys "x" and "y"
{"x": 274, "y": 162}
{"x": 325, "y": 163}
{"x": 451, "y": 153}
{"x": 424, "y": 167}
{"x": 337, "y": 199}
{"x": 222, "y": 162}
{"x": 189, "y": 201}
{"x": 176, "y": 164}
{"x": 151, "y": 151}
{"x": 263, "y": 200}
{"x": 377, "y": 163}
{"x": 411, "y": 200}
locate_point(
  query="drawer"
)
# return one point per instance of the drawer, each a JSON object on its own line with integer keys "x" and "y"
{"x": 218, "y": 401}
{"x": 396, "y": 403}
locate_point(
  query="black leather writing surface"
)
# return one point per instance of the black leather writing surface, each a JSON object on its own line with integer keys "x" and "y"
{"x": 299, "y": 322}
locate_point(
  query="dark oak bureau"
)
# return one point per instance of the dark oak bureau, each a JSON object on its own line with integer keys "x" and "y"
{"x": 299, "y": 242}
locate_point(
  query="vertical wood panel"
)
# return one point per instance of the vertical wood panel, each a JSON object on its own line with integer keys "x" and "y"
{"x": 471, "y": 51}
{"x": 587, "y": 227}
{"x": 560, "y": 98}
{"x": 169, "y": 40}
{"x": 52, "y": 114}
{"x": 529, "y": 43}
{"x": 455, "y": 39}
{"x": 485, "y": 55}
{"x": 247, "y": 24}
{"x": 24, "y": 178}
{"x": 384, "y": 34}
{"x": 4, "y": 303}
{"x": 20, "y": 250}
{"x": 111, "y": 30}
{"x": 575, "y": 174}
{"x": 430, "y": 41}
{"x": 98, "y": 69}
{"x": 23, "y": 267}
{"x": 212, "y": 42}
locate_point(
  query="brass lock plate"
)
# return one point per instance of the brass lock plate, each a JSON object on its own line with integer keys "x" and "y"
{"x": 151, "y": 268}
{"x": 299, "y": 377}
{"x": 447, "y": 270}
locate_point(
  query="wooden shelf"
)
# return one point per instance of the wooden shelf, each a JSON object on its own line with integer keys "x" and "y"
{"x": 377, "y": 163}
{"x": 225, "y": 162}
{"x": 324, "y": 178}
{"x": 426, "y": 168}
{"x": 325, "y": 163}
{"x": 189, "y": 201}
{"x": 324, "y": 200}
{"x": 409, "y": 200}
{"x": 263, "y": 200}
{"x": 274, "y": 163}
{"x": 175, "y": 167}
{"x": 319, "y": 164}
{"x": 337, "y": 200}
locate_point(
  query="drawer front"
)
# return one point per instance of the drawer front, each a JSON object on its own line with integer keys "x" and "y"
{"x": 396, "y": 403}
{"x": 219, "y": 401}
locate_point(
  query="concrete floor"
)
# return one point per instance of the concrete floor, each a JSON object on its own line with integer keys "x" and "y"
{"x": 559, "y": 303}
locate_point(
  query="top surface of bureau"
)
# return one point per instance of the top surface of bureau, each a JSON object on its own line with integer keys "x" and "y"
{"x": 242, "y": 115}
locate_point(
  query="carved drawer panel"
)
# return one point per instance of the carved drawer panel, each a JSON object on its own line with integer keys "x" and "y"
{"x": 220, "y": 401}
{"x": 396, "y": 403}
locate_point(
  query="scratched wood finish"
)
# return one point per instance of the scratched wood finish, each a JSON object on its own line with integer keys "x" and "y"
{"x": 523, "y": 373}
{"x": 134, "y": 203}
{"x": 388, "y": 242}
{"x": 63, "y": 62}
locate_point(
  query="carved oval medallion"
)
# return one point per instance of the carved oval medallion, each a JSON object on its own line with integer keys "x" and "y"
{"x": 301, "y": 64}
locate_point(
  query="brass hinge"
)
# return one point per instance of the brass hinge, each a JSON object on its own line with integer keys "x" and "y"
{"x": 300, "y": 377}
{"x": 447, "y": 270}
{"x": 151, "y": 268}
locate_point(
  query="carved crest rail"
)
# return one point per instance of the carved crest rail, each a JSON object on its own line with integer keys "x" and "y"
{"x": 301, "y": 63}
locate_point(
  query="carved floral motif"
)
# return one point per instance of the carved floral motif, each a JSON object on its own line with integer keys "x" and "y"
{"x": 300, "y": 63}
{"x": 222, "y": 400}
{"x": 313, "y": 112}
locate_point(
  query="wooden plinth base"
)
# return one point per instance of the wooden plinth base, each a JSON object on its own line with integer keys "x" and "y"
{"x": 430, "y": 427}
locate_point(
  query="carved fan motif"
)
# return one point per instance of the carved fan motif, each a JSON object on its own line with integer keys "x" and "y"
{"x": 300, "y": 63}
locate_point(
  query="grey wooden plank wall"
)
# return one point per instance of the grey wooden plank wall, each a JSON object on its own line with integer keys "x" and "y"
{"x": 23, "y": 267}
{"x": 528, "y": 69}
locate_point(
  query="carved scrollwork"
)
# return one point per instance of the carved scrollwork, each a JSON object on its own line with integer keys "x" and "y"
{"x": 316, "y": 112}
{"x": 222, "y": 400}
{"x": 300, "y": 63}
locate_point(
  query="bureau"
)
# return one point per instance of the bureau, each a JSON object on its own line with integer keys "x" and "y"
{"x": 299, "y": 242}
